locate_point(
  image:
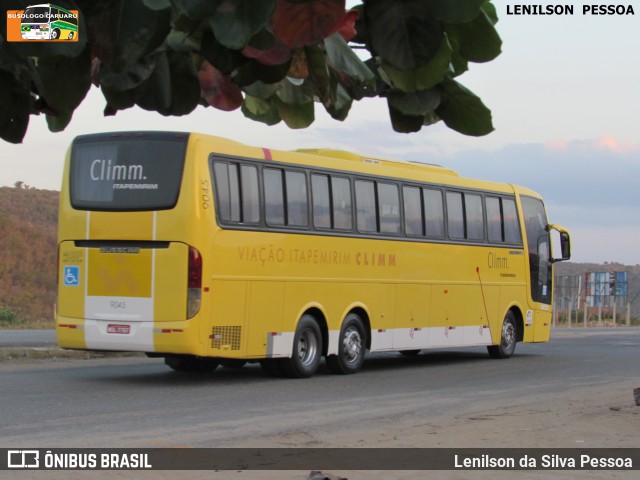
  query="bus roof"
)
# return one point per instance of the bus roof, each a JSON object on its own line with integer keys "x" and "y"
{"x": 354, "y": 157}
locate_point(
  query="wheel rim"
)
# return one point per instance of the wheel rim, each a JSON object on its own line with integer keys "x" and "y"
{"x": 351, "y": 345}
{"x": 508, "y": 336}
{"x": 307, "y": 347}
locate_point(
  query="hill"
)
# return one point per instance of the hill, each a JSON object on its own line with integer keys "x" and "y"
{"x": 28, "y": 250}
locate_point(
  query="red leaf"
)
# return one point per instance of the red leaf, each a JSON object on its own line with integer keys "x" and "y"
{"x": 308, "y": 23}
{"x": 216, "y": 88}
{"x": 277, "y": 55}
{"x": 348, "y": 27}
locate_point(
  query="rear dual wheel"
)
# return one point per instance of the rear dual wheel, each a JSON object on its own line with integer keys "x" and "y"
{"x": 351, "y": 347}
{"x": 307, "y": 351}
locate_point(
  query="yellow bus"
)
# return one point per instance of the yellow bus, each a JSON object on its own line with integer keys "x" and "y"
{"x": 204, "y": 251}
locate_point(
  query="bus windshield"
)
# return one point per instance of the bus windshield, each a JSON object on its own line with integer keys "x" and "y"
{"x": 116, "y": 173}
{"x": 36, "y": 15}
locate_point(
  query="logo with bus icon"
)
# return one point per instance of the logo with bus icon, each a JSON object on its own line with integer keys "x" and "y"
{"x": 42, "y": 22}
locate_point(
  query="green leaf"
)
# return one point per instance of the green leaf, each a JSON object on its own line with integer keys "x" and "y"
{"x": 261, "y": 90}
{"x": 236, "y": 21}
{"x": 417, "y": 103}
{"x": 257, "y": 106}
{"x": 183, "y": 42}
{"x": 185, "y": 87}
{"x": 294, "y": 94}
{"x": 490, "y": 9}
{"x": 221, "y": 57}
{"x": 123, "y": 31}
{"x": 424, "y": 77}
{"x": 65, "y": 80}
{"x": 318, "y": 73}
{"x": 155, "y": 93}
{"x": 454, "y": 11}
{"x": 343, "y": 58}
{"x": 402, "y": 32}
{"x": 129, "y": 78}
{"x": 157, "y": 4}
{"x": 270, "y": 116}
{"x": 15, "y": 99}
{"x": 57, "y": 123}
{"x": 253, "y": 71}
{"x": 477, "y": 40}
{"x": 463, "y": 111}
{"x": 405, "y": 123}
{"x": 296, "y": 116}
{"x": 340, "y": 104}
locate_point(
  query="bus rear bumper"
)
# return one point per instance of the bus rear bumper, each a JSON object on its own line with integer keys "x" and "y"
{"x": 126, "y": 336}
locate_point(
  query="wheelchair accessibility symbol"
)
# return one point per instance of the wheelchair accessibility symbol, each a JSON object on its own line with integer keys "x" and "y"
{"x": 71, "y": 276}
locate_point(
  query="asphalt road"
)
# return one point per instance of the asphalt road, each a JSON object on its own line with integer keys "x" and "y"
{"x": 138, "y": 402}
{"x": 27, "y": 338}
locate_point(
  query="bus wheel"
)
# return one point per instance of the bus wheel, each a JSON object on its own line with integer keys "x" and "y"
{"x": 55, "y": 34}
{"x": 70, "y": 36}
{"x": 351, "y": 348}
{"x": 185, "y": 363}
{"x": 307, "y": 350}
{"x": 508, "y": 339}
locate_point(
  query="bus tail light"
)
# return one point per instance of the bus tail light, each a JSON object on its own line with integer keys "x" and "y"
{"x": 194, "y": 282}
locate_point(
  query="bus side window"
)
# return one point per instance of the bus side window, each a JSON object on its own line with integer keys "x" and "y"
{"x": 413, "y": 221}
{"x": 250, "y": 197}
{"x": 226, "y": 177}
{"x": 341, "y": 193}
{"x": 474, "y": 216}
{"x": 321, "y": 201}
{"x": 273, "y": 196}
{"x": 494, "y": 219}
{"x": 433, "y": 213}
{"x": 366, "y": 206}
{"x": 297, "y": 209}
{"x": 388, "y": 208}
{"x": 511, "y": 222}
{"x": 455, "y": 215}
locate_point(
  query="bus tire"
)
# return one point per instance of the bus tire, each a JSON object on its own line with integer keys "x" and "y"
{"x": 185, "y": 363}
{"x": 351, "y": 347}
{"x": 55, "y": 35}
{"x": 70, "y": 36}
{"x": 508, "y": 338}
{"x": 307, "y": 350}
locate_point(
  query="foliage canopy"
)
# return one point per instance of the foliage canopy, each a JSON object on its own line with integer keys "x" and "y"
{"x": 274, "y": 59}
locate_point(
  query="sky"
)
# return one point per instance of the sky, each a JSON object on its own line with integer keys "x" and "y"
{"x": 565, "y": 98}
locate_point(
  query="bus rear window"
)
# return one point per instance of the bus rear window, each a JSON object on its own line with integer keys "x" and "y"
{"x": 141, "y": 172}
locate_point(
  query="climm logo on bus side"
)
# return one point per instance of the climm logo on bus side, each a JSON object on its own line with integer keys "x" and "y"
{"x": 42, "y": 22}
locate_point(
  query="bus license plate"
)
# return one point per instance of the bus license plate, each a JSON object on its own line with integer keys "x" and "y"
{"x": 119, "y": 329}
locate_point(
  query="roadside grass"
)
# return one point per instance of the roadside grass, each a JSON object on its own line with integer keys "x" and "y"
{"x": 30, "y": 354}
{"x": 29, "y": 325}
{"x": 10, "y": 319}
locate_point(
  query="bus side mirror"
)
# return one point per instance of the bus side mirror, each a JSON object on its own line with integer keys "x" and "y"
{"x": 565, "y": 245}
{"x": 565, "y": 242}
